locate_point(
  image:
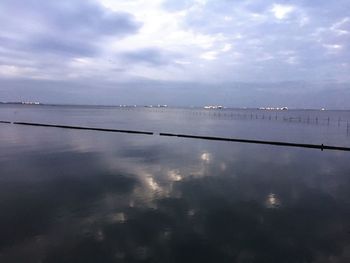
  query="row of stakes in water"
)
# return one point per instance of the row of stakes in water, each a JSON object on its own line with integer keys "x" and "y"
{"x": 278, "y": 117}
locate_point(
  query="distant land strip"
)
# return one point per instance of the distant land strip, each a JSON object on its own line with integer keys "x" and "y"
{"x": 211, "y": 138}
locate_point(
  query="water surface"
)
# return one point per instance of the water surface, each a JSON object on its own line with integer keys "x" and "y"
{"x": 86, "y": 196}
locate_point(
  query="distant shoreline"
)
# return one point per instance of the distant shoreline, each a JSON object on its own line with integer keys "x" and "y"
{"x": 159, "y": 107}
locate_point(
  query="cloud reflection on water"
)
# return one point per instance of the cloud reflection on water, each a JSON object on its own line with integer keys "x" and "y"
{"x": 137, "y": 199}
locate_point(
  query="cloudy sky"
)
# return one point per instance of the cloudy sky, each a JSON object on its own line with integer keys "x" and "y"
{"x": 177, "y": 52}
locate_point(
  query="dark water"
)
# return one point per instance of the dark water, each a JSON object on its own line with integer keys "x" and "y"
{"x": 85, "y": 196}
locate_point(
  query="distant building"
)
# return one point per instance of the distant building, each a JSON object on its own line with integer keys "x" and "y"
{"x": 213, "y": 107}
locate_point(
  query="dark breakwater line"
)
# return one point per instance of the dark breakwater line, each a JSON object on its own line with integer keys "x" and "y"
{"x": 211, "y": 138}
{"x": 288, "y": 144}
{"x": 81, "y": 128}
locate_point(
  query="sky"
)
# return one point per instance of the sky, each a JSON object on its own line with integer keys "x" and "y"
{"x": 238, "y": 53}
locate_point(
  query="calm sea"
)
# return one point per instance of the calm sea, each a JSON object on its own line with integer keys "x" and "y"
{"x": 89, "y": 196}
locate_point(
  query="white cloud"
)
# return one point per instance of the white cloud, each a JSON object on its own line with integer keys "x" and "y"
{"x": 227, "y": 47}
{"x": 265, "y": 57}
{"x": 10, "y": 70}
{"x": 162, "y": 28}
{"x": 338, "y": 27}
{"x": 182, "y": 62}
{"x": 201, "y": 2}
{"x": 191, "y": 39}
{"x": 333, "y": 48}
{"x": 304, "y": 20}
{"x": 258, "y": 17}
{"x": 282, "y": 11}
{"x": 210, "y": 55}
{"x": 292, "y": 60}
{"x": 213, "y": 54}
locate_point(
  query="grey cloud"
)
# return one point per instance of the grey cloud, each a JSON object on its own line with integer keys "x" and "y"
{"x": 76, "y": 16}
{"x": 47, "y": 35}
{"x": 63, "y": 27}
{"x": 87, "y": 18}
{"x": 56, "y": 45}
{"x": 150, "y": 56}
